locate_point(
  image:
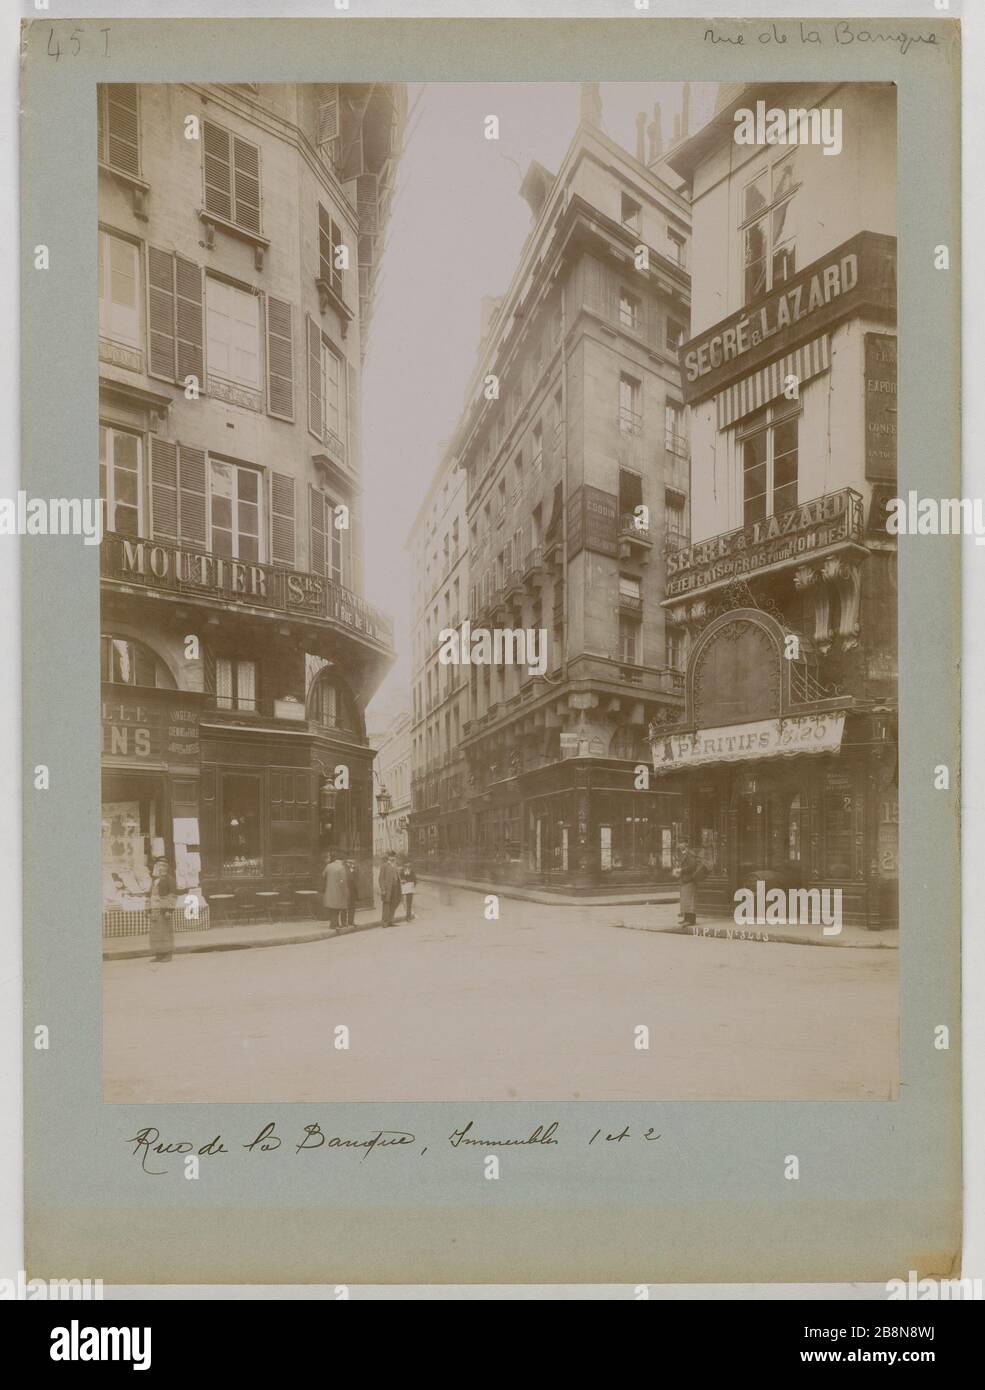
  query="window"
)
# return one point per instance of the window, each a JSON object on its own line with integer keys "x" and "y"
{"x": 518, "y": 475}
{"x": 333, "y": 389}
{"x": 242, "y": 852}
{"x": 630, "y": 419}
{"x": 329, "y": 243}
{"x": 235, "y": 500}
{"x": 501, "y": 500}
{"x": 232, "y": 177}
{"x": 674, "y": 335}
{"x": 629, "y": 311}
{"x": 629, "y": 640}
{"x": 769, "y": 231}
{"x": 119, "y": 290}
{"x": 630, "y": 494}
{"x": 232, "y": 327}
{"x": 119, "y": 127}
{"x": 675, "y": 518}
{"x": 121, "y": 481}
{"x": 769, "y": 462}
{"x": 331, "y": 704}
{"x": 537, "y": 449}
{"x": 674, "y": 645}
{"x": 629, "y": 213}
{"x": 126, "y": 662}
{"x": 235, "y": 683}
{"x": 329, "y": 539}
{"x": 674, "y": 440}
{"x": 629, "y": 589}
{"x": 676, "y": 247}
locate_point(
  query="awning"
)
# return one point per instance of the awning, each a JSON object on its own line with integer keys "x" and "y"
{"x": 735, "y": 743}
{"x": 764, "y": 386}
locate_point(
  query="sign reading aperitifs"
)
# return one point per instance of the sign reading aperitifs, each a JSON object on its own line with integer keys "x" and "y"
{"x": 861, "y": 273}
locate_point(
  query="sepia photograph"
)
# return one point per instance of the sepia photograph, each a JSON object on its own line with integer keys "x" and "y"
{"x": 498, "y": 612}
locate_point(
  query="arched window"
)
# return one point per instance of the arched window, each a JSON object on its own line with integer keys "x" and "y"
{"x": 125, "y": 661}
{"x": 331, "y": 705}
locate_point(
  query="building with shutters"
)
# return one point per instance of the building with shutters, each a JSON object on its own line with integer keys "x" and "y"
{"x": 391, "y": 810}
{"x": 240, "y": 229}
{"x": 439, "y": 554}
{"x": 574, "y": 445}
{"x": 786, "y": 746}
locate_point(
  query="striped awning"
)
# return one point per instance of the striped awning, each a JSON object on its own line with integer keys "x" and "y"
{"x": 764, "y": 386}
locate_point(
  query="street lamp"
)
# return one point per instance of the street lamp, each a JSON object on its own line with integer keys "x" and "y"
{"x": 384, "y": 802}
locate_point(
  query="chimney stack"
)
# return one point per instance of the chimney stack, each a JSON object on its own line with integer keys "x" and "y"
{"x": 656, "y": 135}
{"x": 591, "y": 104}
{"x": 641, "y": 137}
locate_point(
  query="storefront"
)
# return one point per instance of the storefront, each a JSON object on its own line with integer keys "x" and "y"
{"x": 781, "y": 790}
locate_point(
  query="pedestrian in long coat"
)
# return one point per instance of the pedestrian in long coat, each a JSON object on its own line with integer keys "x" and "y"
{"x": 352, "y": 893}
{"x": 161, "y": 905}
{"x": 688, "y": 873}
{"x": 389, "y": 888}
{"x": 408, "y": 883}
{"x": 336, "y": 896}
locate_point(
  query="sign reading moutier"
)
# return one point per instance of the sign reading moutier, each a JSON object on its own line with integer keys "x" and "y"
{"x": 764, "y": 738}
{"x": 858, "y": 275}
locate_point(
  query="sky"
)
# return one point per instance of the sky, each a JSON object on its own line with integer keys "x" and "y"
{"x": 456, "y": 231}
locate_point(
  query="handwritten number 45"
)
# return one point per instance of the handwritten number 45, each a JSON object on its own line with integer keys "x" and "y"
{"x": 74, "y": 43}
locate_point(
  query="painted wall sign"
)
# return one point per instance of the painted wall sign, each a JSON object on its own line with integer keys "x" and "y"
{"x": 145, "y": 729}
{"x": 880, "y": 406}
{"x": 858, "y": 275}
{"x": 798, "y": 533}
{"x": 764, "y": 738}
{"x": 592, "y": 521}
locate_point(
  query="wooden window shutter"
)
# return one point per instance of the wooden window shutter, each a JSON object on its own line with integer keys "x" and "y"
{"x": 352, "y": 416}
{"x": 328, "y": 114}
{"x": 282, "y": 535}
{"x": 218, "y": 171}
{"x": 192, "y": 497}
{"x": 314, "y": 378}
{"x": 208, "y": 669}
{"x": 122, "y": 128}
{"x": 280, "y": 359}
{"x": 246, "y": 184}
{"x": 164, "y": 489}
{"x": 318, "y": 530}
{"x": 189, "y": 315}
{"x": 160, "y": 313}
{"x": 355, "y": 579}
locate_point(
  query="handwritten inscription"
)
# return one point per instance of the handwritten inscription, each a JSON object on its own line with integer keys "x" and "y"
{"x": 158, "y": 1155}
{"x": 840, "y": 34}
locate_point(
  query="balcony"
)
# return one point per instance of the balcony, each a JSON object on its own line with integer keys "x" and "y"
{"x": 533, "y": 566}
{"x": 130, "y": 562}
{"x": 631, "y": 603}
{"x": 512, "y": 584}
{"x": 634, "y": 540}
{"x": 807, "y": 532}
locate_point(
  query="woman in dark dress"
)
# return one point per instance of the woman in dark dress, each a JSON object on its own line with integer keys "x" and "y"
{"x": 161, "y": 904}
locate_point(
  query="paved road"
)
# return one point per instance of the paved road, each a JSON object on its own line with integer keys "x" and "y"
{"x": 541, "y": 1004}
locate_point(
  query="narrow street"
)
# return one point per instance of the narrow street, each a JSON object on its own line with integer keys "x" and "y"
{"x": 541, "y": 1004}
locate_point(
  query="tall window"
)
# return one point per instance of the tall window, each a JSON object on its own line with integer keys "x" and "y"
{"x": 232, "y": 318}
{"x": 769, "y": 228}
{"x": 769, "y": 462}
{"x": 329, "y": 243}
{"x": 121, "y": 481}
{"x": 235, "y": 683}
{"x": 235, "y": 502}
{"x": 331, "y": 704}
{"x": 333, "y": 392}
{"x": 232, "y": 177}
{"x": 674, "y": 644}
{"x": 674, "y": 439}
{"x": 119, "y": 290}
{"x": 675, "y": 518}
{"x": 119, "y": 127}
{"x": 630, "y": 419}
{"x": 325, "y": 528}
{"x": 537, "y": 448}
{"x": 629, "y": 310}
{"x": 674, "y": 335}
{"x": 630, "y": 646}
{"x": 676, "y": 247}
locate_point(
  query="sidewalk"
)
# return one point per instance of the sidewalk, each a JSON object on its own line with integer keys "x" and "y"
{"x": 623, "y": 898}
{"x": 231, "y": 938}
{"x": 791, "y": 934}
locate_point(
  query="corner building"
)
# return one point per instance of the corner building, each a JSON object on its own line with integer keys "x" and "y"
{"x": 787, "y": 592}
{"x": 239, "y": 238}
{"x": 585, "y": 427}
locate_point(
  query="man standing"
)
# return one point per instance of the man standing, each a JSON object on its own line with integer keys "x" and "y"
{"x": 689, "y": 870}
{"x": 408, "y": 883}
{"x": 336, "y": 889}
{"x": 389, "y": 888}
{"x": 352, "y": 894}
